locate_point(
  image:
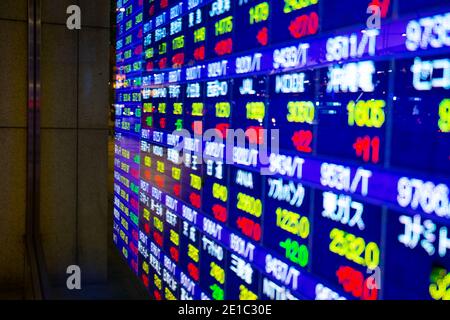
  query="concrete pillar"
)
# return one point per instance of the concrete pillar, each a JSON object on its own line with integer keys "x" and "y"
{"x": 13, "y": 106}
{"x": 74, "y": 115}
{"x": 74, "y": 142}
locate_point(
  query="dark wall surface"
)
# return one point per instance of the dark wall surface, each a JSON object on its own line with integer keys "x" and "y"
{"x": 75, "y": 102}
{"x": 13, "y": 103}
{"x": 74, "y": 133}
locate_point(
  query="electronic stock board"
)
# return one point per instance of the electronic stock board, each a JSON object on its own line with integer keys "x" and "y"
{"x": 284, "y": 149}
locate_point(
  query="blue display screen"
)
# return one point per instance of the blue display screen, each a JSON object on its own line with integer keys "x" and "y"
{"x": 284, "y": 149}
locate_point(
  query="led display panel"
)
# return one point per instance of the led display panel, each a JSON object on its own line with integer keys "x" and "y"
{"x": 284, "y": 150}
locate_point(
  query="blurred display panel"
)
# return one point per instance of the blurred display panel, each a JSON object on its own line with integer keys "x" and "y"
{"x": 284, "y": 149}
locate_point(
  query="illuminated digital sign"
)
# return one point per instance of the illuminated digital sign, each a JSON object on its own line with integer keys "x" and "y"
{"x": 284, "y": 149}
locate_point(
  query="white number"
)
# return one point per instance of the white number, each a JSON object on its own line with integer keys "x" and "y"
{"x": 431, "y": 198}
